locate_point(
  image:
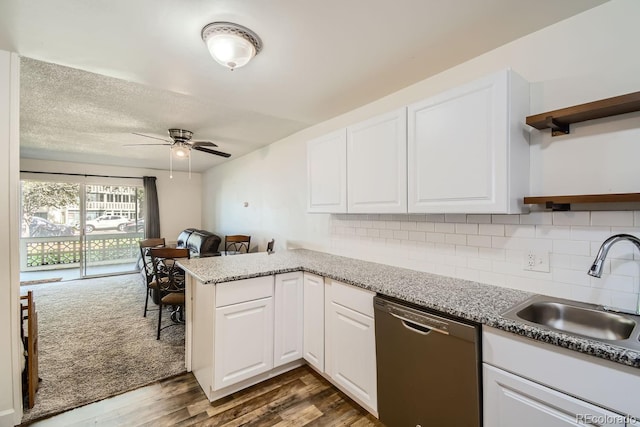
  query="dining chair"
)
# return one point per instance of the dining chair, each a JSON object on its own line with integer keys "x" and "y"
{"x": 236, "y": 243}
{"x": 270, "y": 244}
{"x": 147, "y": 267}
{"x": 170, "y": 280}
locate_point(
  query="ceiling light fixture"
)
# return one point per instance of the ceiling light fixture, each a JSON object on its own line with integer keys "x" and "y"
{"x": 230, "y": 44}
{"x": 179, "y": 150}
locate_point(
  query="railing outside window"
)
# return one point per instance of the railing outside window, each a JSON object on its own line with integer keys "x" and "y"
{"x": 50, "y": 253}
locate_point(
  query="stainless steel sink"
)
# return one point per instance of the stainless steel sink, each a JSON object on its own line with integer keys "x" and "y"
{"x": 580, "y": 319}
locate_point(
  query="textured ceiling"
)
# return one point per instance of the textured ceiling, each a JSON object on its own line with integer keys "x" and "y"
{"x": 95, "y": 71}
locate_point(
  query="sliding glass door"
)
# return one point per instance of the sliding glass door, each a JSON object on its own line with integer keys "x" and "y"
{"x": 72, "y": 230}
{"x": 114, "y": 223}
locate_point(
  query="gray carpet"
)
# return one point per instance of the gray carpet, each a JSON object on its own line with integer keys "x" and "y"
{"x": 94, "y": 342}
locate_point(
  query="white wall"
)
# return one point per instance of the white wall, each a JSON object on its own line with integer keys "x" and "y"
{"x": 10, "y": 346}
{"x": 179, "y": 197}
{"x": 585, "y": 58}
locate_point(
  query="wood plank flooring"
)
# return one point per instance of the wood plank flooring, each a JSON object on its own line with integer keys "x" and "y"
{"x": 300, "y": 397}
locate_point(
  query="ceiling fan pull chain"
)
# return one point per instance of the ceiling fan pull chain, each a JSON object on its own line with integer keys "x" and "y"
{"x": 170, "y": 164}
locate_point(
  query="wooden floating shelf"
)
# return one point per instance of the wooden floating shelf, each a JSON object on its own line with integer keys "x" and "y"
{"x": 559, "y": 120}
{"x": 563, "y": 203}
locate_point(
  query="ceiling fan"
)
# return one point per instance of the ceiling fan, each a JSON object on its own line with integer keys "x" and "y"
{"x": 181, "y": 143}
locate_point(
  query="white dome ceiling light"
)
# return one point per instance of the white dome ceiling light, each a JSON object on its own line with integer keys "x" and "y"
{"x": 230, "y": 44}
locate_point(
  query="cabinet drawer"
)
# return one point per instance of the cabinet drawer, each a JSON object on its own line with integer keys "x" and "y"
{"x": 228, "y": 293}
{"x": 357, "y": 299}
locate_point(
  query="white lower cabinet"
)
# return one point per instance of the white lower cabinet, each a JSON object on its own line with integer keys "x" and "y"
{"x": 243, "y": 341}
{"x": 528, "y": 383}
{"x": 313, "y": 323}
{"x": 350, "y": 342}
{"x": 288, "y": 320}
{"x": 510, "y": 400}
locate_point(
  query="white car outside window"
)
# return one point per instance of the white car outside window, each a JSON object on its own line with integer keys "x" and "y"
{"x": 106, "y": 222}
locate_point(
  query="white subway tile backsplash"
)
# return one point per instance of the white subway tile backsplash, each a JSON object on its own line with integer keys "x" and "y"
{"x": 442, "y": 227}
{"x": 479, "y": 241}
{"x": 594, "y": 234}
{"x": 455, "y": 239}
{"x": 466, "y": 228}
{"x": 615, "y": 283}
{"x": 467, "y": 251}
{"x": 418, "y": 236}
{"x": 373, "y": 232}
{"x": 408, "y": 225}
{"x": 537, "y": 218}
{"x": 571, "y": 247}
{"x": 505, "y": 219}
{"x": 455, "y": 218}
{"x": 612, "y": 218}
{"x": 553, "y": 232}
{"x": 520, "y": 230}
{"x": 625, "y": 267}
{"x": 436, "y": 237}
{"x": 425, "y": 226}
{"x": 480, "y": 264}
{"x": 479, "y": 219}
{"x": 401, "y": 234}
{"x": 491, "y": 249}
{"x": 571, "y": 218}
{"x": 573, "y": 277}
{"x": 491, "y": 253}
{"x": 491, "y": 229}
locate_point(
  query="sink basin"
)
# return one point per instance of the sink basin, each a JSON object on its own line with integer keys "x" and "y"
{"x": 576, "y": 318}
{"x": 600, "y": 325}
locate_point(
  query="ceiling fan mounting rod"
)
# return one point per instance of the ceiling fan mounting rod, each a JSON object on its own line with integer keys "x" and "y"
{"x": 180, "y": 135}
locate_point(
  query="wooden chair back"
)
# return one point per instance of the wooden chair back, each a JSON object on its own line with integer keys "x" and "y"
{"x": 145, "y": 256}
{"x": 164, "y": 266}
{"x": 236, "y": 243}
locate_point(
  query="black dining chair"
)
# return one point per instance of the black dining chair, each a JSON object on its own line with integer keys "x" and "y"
{"x": 147, "y": 267}
{"x": 236, "y": 244}
{"x": 170, "y": 279}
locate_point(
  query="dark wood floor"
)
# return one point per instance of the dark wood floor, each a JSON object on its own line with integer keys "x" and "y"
{"x": 297, "y": 398}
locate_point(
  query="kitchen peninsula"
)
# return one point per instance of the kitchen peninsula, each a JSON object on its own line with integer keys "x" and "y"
{"x": 245, "y": 316}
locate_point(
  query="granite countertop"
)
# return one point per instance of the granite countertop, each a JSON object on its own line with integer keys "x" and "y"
{"x": 469, "y": 300}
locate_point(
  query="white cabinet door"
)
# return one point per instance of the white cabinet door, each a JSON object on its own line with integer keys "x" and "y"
{"x": 327, "y": 173}
{"x": 288, "y": 318}
{"x": 313, "y": 340}
{"x": 468, "y": 149}
{"x": 377, "y": 164}
{"x": 510, "y": 400}
{"x": 243, "y": 341}
{"x": 352, "y": 360}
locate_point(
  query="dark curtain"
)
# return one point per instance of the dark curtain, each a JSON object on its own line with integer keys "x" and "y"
{"x": 152, "y": 220}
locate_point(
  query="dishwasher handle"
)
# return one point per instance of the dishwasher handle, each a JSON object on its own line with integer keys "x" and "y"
{"x": 429, "y": 321}
{"x": 411, "y": 325}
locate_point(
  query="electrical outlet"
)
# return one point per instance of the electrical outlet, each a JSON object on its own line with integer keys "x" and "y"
{"x": 536, "y": 261}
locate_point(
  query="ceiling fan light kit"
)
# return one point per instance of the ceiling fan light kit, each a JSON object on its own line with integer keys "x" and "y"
{"x": 231, "y": 45}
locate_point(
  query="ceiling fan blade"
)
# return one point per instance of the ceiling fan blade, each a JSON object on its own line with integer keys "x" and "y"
{"x": 136, "y": 145}
{"x": 217, "y": 153}
{"x": 152, "y": 137}
{"x": 203, "y": 144}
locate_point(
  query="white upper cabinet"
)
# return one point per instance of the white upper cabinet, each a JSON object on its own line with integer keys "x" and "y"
{"x": 327, "y": 173}
{"x": 468, "y": 148}
{"x": 377, "y": 164}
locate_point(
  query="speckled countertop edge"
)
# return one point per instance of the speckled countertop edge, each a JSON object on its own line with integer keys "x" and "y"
{"x": 469, "y": 300}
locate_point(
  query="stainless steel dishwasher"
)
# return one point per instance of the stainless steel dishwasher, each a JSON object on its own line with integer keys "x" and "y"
{"x": 428, "y": 368}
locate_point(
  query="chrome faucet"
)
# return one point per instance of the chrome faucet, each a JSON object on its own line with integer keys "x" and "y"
{"x": 598, "y": 263}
